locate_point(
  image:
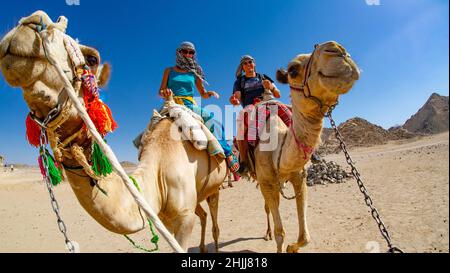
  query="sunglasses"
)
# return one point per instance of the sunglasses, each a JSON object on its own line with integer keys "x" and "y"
{"x": 247, "y": 62}
{"x": 188, "y": 52}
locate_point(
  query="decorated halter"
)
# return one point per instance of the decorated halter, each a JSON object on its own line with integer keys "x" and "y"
{"x": 39, "y": 132}
{"x": 306, "y": 90}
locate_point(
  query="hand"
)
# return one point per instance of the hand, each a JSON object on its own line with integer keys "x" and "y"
{"x": 267, "y": 85}
{"x": 165, "y": 93}
{"x": 213, "y": 94}
{"x": 234, "y": 100}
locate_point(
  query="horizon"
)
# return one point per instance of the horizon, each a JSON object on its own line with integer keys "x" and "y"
{"x": 135, "y": 162}
{"x": 401, "y": 47}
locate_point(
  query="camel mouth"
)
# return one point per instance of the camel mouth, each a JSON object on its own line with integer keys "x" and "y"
{"x": 16, "y": 54}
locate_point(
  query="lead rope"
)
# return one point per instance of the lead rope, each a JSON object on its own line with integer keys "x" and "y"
{"x": 375, "y": 215}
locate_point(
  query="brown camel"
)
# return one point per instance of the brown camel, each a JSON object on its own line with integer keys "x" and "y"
{"x": 173, "y": 176}
{"x": 316, "y": 81}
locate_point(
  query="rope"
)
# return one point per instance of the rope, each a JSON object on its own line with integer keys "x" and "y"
{"x": 155, "y": 237}
{"x": 104, "y": 147}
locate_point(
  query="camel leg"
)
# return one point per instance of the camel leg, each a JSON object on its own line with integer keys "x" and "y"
{"x": 272, "y": 199}
{"x": 183, "y": 225}
{"x": 213, "y": 203}
{"x": 300, "y": 188}
{"x": 268, "y": 235}
{"x": 201, "y": 213}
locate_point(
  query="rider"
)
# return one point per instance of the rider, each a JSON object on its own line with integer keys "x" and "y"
{"x": 248, "y": 89}
{"x": 181, "y": 80}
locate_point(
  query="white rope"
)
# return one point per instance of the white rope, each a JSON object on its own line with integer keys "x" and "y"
{"x": 106, "y": 149}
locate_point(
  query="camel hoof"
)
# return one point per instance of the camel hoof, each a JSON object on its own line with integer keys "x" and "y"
{"x": 203, "y": 249}
{"x": 268, "y": 237}
{"x": 292, "y": 248}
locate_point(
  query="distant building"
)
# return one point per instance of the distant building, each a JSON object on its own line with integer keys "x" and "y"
{"x": 2, "y": 161}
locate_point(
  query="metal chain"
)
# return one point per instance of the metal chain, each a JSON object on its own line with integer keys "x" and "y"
{"x": 362, "y": 188}
{"x": 42, "y": 147}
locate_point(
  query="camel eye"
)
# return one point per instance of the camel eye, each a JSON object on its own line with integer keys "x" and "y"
{"x": 91, "y": 60}
{"x": 293, "y": 70}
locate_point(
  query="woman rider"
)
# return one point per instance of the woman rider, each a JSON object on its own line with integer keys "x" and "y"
{"x": 181, "y": 80}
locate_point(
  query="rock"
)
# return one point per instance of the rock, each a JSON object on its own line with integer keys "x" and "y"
{"x": 324, "y": 172}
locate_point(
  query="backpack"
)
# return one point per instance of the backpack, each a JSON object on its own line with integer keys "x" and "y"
{"x": 241, "y": 80}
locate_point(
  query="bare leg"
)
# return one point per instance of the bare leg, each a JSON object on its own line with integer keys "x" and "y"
{"x": 299, "y": 183}
{"x": 213, "y": 203}
{"x": 272, "y": 199}
{"x": 269, "y": 230}
{"x": 201, "y": 213}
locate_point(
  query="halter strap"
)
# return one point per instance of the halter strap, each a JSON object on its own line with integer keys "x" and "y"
{"x": 307, "y": 150}
{"x": 305, "y": 85}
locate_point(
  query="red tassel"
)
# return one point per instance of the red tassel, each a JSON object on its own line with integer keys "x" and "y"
{"x": 41, "y": 166}
{"x": 101, "y": 116}
{"x": 113, "y": 122}
{"x": 33, "y": 132}
{"x": 98, "y": 111}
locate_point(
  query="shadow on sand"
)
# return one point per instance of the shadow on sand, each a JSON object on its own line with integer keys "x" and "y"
{"x": 211, "y": 249}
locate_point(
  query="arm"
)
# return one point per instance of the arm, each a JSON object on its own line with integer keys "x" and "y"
{"x": 272, "y": 88}
{"x": 201, "y": 89}
{"x": 235, "y": 99}
{"x": 276, "y": 92}
{"x": 163, "y": 88}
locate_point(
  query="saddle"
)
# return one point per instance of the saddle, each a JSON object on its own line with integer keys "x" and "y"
{"x": 189, "y": 124}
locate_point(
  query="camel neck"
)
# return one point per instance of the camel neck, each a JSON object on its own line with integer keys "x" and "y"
{"x": 302, "y": 138}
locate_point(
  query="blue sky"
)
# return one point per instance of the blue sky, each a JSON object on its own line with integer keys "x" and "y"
{"x": 401, "y": 46}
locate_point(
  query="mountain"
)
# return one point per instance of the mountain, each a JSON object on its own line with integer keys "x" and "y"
{"x": 432, "y": 118}
{"x": 128, "y": 164}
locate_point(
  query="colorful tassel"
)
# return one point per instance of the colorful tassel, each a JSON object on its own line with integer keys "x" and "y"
{"x": 100, "y": 164}
{"x": 98, "y": 111}
{"x": 53, "y": 168}
{"x": 33, "y": 131}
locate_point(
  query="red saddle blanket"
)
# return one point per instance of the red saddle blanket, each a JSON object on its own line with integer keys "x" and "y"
{"x": 254, "y": 117}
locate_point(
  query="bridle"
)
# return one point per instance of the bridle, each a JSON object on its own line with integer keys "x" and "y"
{"x": 58, "y": 115}
{"x": 305, "y": 90}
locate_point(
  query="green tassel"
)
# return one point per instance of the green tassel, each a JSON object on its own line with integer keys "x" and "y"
{"x": 100, "y": 164}
{"x": 53, "y": 171}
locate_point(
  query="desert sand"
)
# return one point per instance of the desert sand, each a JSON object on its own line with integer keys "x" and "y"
{"x": 408, "y": 181}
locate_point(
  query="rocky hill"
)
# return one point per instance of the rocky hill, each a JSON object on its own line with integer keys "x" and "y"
{"x": 128, "y": 164}
{"x": 355, "y": 132}
{"x": 432, "y": 118}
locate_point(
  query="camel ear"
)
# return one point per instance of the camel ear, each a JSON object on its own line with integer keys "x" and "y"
{"x": 282, "y": 76}
{"x": 103, "y": 74}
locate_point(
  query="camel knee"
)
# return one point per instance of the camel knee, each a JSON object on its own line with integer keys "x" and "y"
{"x": 215, "y": 232}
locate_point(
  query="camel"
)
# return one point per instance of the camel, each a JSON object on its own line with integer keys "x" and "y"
{"x": 172, "y": 175}
{"x": 316, "y": 81}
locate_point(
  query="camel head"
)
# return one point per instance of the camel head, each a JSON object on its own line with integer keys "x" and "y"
{"x": 24, "y": 64}
{"x": 322, "y": 76}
